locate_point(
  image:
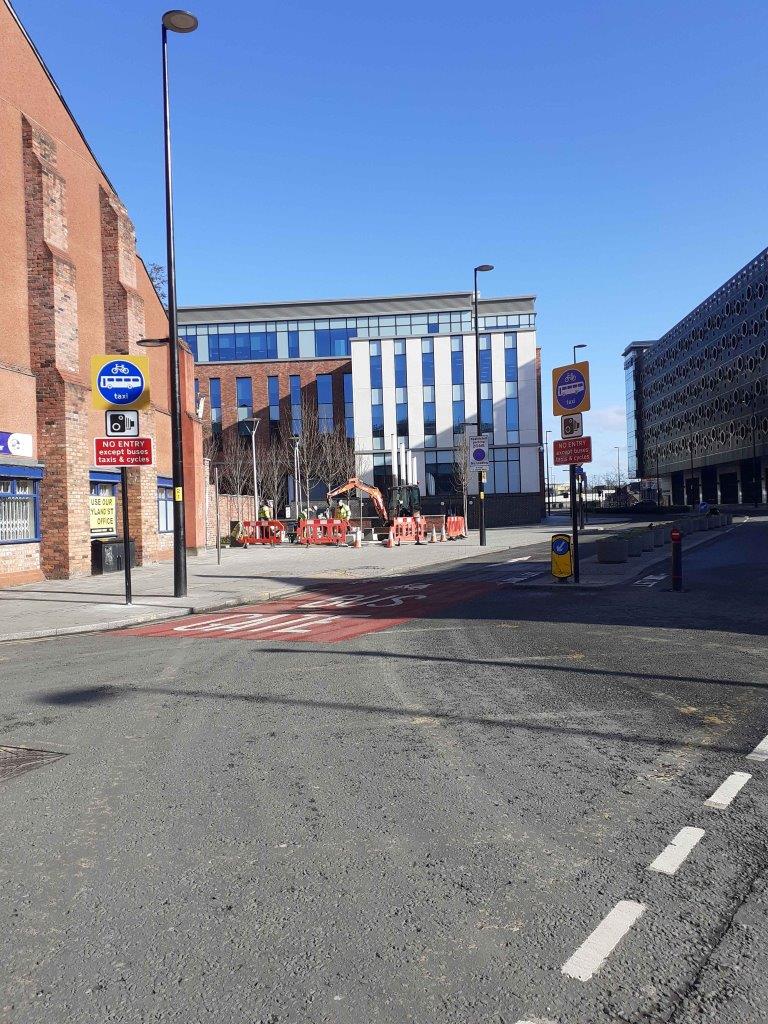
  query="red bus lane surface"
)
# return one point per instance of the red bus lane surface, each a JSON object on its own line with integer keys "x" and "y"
{"x": 328, "y": 616}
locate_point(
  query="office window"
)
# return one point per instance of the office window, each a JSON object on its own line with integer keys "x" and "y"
{"x": 486, "y": 369}
{"x": 215, "y": 398}
{"x": 273, "y": 395}
{"x": 244, "y": 387}
{"x": 295, "y": 388}
{"x": 427, "y": 361}
{"x": 325, "y": 402}
{"x": 382, "y": 472}
{"x": 164, "y": 509}
{"x": 457, "y": 359}
{"x": 504, "y": 471}
{"x": 459, "y": 413}
{"x": 349, "y": 419}
{"x": 293, "y": 344}
{"x": 513, "y": 423}
{"x": 440, "y": 472}
{"x": 19, "y": 509}
{"x": 510, "y": 356}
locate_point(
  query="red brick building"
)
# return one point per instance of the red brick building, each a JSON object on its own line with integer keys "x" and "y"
{"x": 71, "y": 286}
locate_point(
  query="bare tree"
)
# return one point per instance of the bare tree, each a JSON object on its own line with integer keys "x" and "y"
{"x": 460, "y": 477}
{"x": 159, "y": 279}
{"x": 310, "y": 445}
{"x": 275, "y": 460}
{"x": 337, "y": 463}
{"x": 237, "y": 466}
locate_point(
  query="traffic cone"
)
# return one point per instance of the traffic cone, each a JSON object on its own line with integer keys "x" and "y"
{"x": 358, "y": 538}
{"x": 433, "y": 535}
{"x": 442, "y": 533}
{"x": 390, "y": 541}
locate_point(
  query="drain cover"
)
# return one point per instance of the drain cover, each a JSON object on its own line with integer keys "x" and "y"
{"x": 17, "y": 760}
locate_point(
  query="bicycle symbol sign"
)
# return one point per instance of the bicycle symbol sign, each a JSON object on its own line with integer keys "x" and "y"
{"x": 120, "y": 382}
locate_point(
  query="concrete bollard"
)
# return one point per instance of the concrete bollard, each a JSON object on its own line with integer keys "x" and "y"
{"x": 634, "y": 543}
{"x": 647, "y": 538}
{"x": 658, "y": 531}
{"x": 612, "y": 550}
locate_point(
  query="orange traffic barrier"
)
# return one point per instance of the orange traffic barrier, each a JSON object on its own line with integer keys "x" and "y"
{"x": 265, "y": 531}
{"x": 455, "y": 527}
{"x": 408, "y": 528}
{"x": 323, "y": 531}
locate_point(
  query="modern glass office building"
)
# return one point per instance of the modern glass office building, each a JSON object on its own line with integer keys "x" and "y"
{"x": 697, "y": 399}
{"x": 398, "y": 371}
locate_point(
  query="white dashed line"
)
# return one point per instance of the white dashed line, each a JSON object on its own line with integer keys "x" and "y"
{"x": 760, "y": 753}
{"x": 595, "y": 950}
{"x": 536, "y": 1020}
{"x": 725, "y": 793}
{"x": 670, "y": 858}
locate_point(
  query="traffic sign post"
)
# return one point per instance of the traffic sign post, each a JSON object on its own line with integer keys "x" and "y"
{"x": 571, "y": 426}
{"x": 478, "y": 452}
{"x": 121, "y": 424}
{"x": 572, "y": 451}
{"x": 119, "y": 452}
{"x": 120, "y": 382}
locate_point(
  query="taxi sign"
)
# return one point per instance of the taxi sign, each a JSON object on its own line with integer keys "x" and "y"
{"x": 561, "y": 558}
{"x": 120, "y": 382}
{"x": 570, "y": 389}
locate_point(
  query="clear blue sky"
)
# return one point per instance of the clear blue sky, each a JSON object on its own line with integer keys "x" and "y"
{"x": 608, "y": 157}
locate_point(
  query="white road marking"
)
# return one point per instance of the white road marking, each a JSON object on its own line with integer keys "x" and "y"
{"x": 524, "y": 558}
{"x": 728, "y": 790}
{"x": 597, "y": 947}
{"x": 760, "y": 753}
{"x": 537, "y": 1020}
{"x": 672, "y": 856}
{"x": 650, "y": 581}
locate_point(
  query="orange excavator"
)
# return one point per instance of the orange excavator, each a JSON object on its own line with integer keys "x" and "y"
{"x": 404, "y": 499}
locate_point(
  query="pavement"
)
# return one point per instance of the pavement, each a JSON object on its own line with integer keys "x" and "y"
{"x": 93, "y": 603}
{"x": 514, "y": 806}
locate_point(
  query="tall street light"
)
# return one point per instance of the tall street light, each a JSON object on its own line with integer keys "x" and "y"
{"x": 174, "y": 21}
{"x": 618, "y": 467}
{"x": 582, "y": 345}
{"x": 254, "y": 423}
{"x": 482, "y": 269}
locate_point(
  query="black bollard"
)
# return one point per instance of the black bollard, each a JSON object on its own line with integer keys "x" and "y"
{"x": 677, "y": 559}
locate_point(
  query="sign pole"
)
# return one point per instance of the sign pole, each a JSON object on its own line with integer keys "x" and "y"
{"x": 574, "y": 522}
{"x": 126, "y": 538}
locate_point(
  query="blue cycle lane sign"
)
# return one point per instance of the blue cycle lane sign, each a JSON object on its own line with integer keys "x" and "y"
{"x": 570, "y": 389}
{"x": 120, "y": 382}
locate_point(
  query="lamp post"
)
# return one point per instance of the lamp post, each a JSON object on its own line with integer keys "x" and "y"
{"x": 582, "y": 345}
{"x": 546, "y": 447}
{"x": 183, "y": 22}
{"x": 254, "y": 421}
{"x": 481, "y": 269}
{"x": 618, "y": 470}
{"x": 296, "y": 486}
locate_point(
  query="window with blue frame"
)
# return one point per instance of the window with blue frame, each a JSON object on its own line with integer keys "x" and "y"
{"x": 244, "y": 386}
{"x": 401, "y": 390}
{"x": 325, "y": 402}
{"x": 273, "y": 395}
{"x": 457, "y": 359}
{"x": 441, "y": 475}
{"x": 504, "y": 471}
{"x": 428, "y": 391}
{"x": 349, "y": 408}
{"x": 295, "y": 388}
{"x": 511, "y": 396}
{"x": 486, "y": 388}
{"x": 293, "y": 344}
{"x": 19, "y": 505}
{"x": 377, "y": 395}
{"x": 427, "y": 361}
{"x": 164, "y": 505}
{"x": 215, "y": 398}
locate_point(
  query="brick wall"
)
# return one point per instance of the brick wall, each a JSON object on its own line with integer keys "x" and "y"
{"x": 19, "y": 563}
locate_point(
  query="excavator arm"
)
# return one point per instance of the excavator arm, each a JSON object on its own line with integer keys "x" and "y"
{"x": 355, "y": 484}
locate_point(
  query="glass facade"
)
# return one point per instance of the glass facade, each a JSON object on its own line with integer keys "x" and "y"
{"x": 504, "y": 471}
{"x": 309, "y": 339}
{"x": 295, "y": 388}
{"x": 325, "y": 402}
{"x": 440, "y": 470}
{"x": 428, "y": 391}
{"x": 510, "y": 388}
{"x": 377, "y": 396}
{"x": 401, "y": 391}
{"x": 457, "y": 382}
{"x": 273, "y": 396}
{"x": 244, "y": 386}
{"x": 349, "y": 410}
{"x": 215, "y": 397}
{"x": 486, "y": 386}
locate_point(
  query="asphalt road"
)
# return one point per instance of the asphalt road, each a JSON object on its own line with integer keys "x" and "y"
{"x": 421, "y": 824}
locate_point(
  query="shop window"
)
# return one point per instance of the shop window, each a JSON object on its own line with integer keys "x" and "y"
{"x": 19, "y": 509}
{"x": 164, "y": 508}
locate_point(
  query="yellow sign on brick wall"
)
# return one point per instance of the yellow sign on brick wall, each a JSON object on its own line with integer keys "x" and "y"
{"x": 103, "y": 510}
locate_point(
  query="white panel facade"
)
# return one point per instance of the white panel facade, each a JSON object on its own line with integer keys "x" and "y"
{"x": 527, "y": 390}
{"x": 529, "y": 468}
{"x": 470, "y": 378}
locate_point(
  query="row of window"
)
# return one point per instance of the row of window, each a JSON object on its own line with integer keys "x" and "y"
{"x": 443, "y": 476}
{"x": 245, "y": 409}
{"x": 308, "y": 339}
{"x": 20, "y": 508}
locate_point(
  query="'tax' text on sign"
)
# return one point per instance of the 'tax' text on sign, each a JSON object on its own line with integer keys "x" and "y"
{"x": 572, "y": 451}
{"x": 570, "y": 389}
{"x": 123, "y": 451}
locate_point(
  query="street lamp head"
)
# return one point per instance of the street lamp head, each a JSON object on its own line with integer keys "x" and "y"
{"x": 153, "y": 342}
{"x": 179, "y": 21}
{"x": 484, "y": 267}
{"x": 581, "y": 345}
